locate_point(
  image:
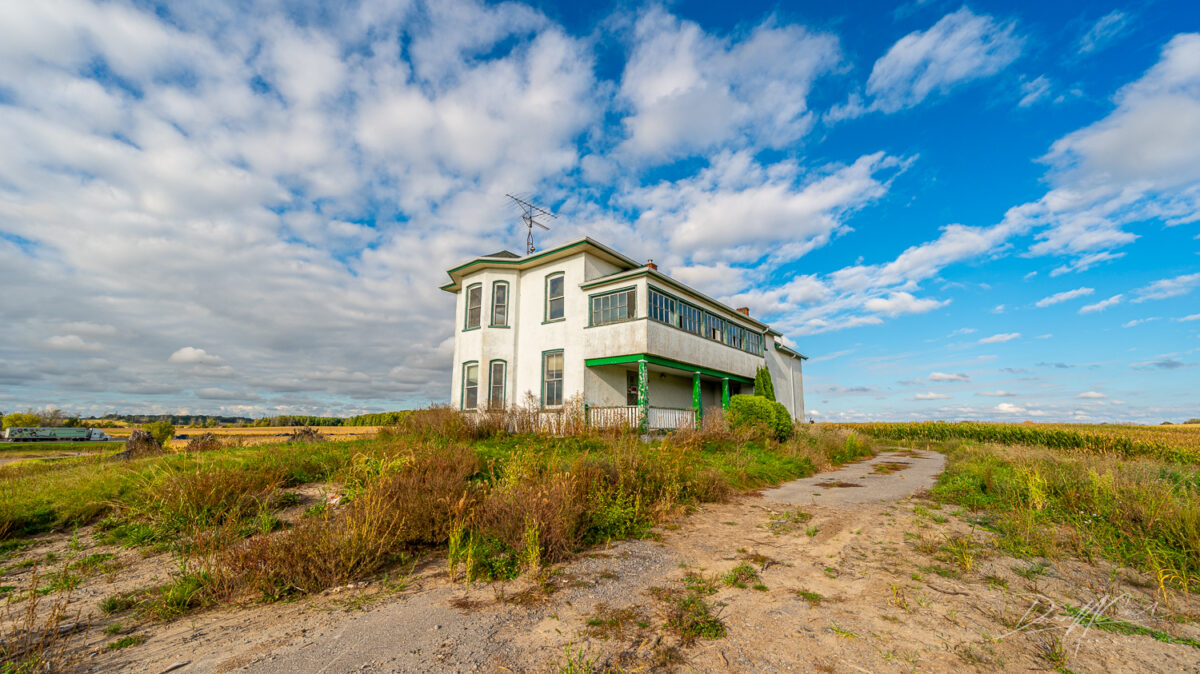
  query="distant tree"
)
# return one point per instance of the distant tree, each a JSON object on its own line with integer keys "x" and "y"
{"x": 762, "y": 384}
{"x": 161, "y": 430}
{"x": 1192, "y": 421}
{"x": 22, "y": 420}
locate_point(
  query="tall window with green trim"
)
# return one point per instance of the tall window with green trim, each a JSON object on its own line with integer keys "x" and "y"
{"x": 500, "y": 304}
{"x": 496, "y": 384}
{"x": 470, "y": 386}
{"x": 614, "y": 307}
{"x": 552, "y": 378}
{"x": 555, "y": 304}
{"x": 474, "y": 306}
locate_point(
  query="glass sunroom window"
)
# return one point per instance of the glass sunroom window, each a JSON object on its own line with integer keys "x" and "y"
{"x": 662, "y": 307}
{"x": 552, "y": 378}
{"x": 554, "y": 297}
{"x": 613, "y": 307}
{"x": 474, "y": 306}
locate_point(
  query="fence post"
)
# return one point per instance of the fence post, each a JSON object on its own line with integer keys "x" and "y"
{"x": 696, "y": 403}
{"x": 587, "y": 418}
{"x": 643, "y": 397}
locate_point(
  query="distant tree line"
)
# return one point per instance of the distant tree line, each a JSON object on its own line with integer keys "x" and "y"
{"x": 377, "y": 419}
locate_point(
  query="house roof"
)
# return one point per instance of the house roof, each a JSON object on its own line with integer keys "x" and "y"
{"x": 506, "y": 260}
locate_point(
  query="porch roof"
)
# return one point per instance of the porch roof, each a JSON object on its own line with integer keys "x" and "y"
{"x": 666, "y": 362}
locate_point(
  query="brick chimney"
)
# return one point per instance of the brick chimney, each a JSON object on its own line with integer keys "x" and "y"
{"x": 650, "y": 264}
{"x": 745, "y": 311}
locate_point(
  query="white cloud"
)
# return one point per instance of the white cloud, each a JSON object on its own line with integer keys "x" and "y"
{"x": 1091, "y": 395}
{"x": 1063, "y": 297}
{"x": 688, "y": 90}
{"x": 997, "y": 394}
{"x": 1192, "y": 317}
{"x": 189, "y": 355}
{"x": 944, "y": 376}
{"x": 70, "y": 343}
{"x": 1102, "y": 304}
{"x": 962, "y": 331}
{"x": 930, "y": 396}
{"x": 1009, "y": 408}
{"x": 1033, "y": 91}
{"x": 1138, "y": 321}
{"x": 999, "y": 338}
{"x": 1104, "y": 31}
{"x": 959, "y": 48}
{"x": 1169, "y": 287}
{"x": 899, "y": 303}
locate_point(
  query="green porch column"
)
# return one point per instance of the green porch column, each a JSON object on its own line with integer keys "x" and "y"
{"x": 696, "y": 397}
{"x": 643, "y": 396}
{"x": 725, "y": 393}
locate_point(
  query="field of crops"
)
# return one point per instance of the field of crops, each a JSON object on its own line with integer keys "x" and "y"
{"x": 1176, "y": 443}
{"x": 254, "y": 436}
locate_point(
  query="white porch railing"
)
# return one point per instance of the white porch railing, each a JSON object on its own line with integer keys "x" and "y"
{"x": 629, "y": 416}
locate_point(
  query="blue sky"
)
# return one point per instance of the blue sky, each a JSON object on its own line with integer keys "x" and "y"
{"x": 958, "y": 211}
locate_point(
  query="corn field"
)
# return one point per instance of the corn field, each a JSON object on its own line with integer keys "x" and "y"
{"x": 1179, "y": 444}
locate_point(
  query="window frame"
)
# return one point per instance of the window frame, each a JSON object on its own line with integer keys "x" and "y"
{"x": 546, "y": 318}
{"x": 733, "y": 335}
{"x": 561, "y": 379}
{"x": 503, "y": 383}
{"x": 631, "y": 307}
{"x": 467, "y": 307}
{"x": 672, "y": 309}
{"x": 466, "y": 366}
{"x": 493, "y": 323}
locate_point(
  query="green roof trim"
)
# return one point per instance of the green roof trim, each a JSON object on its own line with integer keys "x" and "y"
{"x": 790, "y": 352}
{"x": 665, "y": 362}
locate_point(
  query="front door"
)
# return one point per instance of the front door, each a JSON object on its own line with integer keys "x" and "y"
{"x": 631, "y": 388}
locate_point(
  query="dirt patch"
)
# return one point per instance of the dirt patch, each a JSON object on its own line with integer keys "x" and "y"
{"x": 837, "y": 485}
{"x": 889, "y": 467}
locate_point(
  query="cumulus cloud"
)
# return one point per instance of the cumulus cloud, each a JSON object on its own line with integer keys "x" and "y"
{"x": 930, "y": 396}
{"x": 1009, "y": 408}
{"x": 1102, "y": 304}
{"x": 689, "y": 90}
{"x": 190, "y": 355}
{"x": 1091, "y": 395}
{"x": 959, "y": 48}
{"x": 70, "y": 343}
{"x": 997, "y": 394}
{"x": 1064, "y": 296}
{"x": 899, "y": 303}
{"x": 1000, "y": 337}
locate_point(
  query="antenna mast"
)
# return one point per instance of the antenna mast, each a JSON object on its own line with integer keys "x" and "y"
{"x": 528, "y": 213}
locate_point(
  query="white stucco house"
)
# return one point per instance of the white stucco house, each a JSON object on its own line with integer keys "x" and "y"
{"x": 584, "y": 320}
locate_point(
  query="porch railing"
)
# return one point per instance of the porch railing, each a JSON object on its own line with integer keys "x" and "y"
{"x": 629, "y": 416}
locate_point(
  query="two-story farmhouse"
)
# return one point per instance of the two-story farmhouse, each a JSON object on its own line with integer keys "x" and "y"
{"x": 584, "y": 320}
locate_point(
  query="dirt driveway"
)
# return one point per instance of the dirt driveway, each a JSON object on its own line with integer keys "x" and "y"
{"x": 853, "y": 574}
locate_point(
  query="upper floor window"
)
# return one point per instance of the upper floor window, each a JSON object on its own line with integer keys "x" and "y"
{"x": 470, "y": 386}
{"x": 500, "y": 304}
{"x": 614, "y": 307}
{"x": 689, "y": 318}
{"x": 662, "y": 307}
{"x": 714, "y": 326}
{"x": 552, "y": 378}
{"x": 474, "y": 306}
{"x": 555, "y": 286}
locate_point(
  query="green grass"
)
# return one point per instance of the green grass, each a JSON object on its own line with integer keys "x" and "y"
{"x": 126, "y": 642}
{"x": 1088, "y": 619}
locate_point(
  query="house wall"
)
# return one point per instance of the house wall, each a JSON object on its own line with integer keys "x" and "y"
{"x": 605, "y": 385}
{"x": 670, "y": 342}
{"x": 787, "y": 378}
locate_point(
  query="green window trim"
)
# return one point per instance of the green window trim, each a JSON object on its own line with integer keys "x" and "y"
{"x": 467, "y": 307}
{"x": 543, "y": 386}
{"x": 632, "y": 311}
{"x": 546, "y": 317}
{"x": 493, "y": 323}
{"x": 503, "y": 382}
{"x": 466, "y": 366}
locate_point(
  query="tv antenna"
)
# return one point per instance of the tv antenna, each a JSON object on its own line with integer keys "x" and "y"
{"x": 528, "y": 214}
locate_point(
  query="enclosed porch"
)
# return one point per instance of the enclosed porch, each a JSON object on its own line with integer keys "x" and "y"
{"x": 650, "y": 393}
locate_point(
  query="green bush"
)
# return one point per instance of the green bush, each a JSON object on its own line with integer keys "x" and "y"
{"x": 781, "y": 422}
{"x": 751, "y": 412}
{"x": 161, "y": 430}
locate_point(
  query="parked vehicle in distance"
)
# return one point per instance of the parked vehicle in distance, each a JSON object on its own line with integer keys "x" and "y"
{"x": 43, "y": 434}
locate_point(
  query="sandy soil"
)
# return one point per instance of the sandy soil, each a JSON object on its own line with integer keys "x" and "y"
{"x": 884, "y": 588}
